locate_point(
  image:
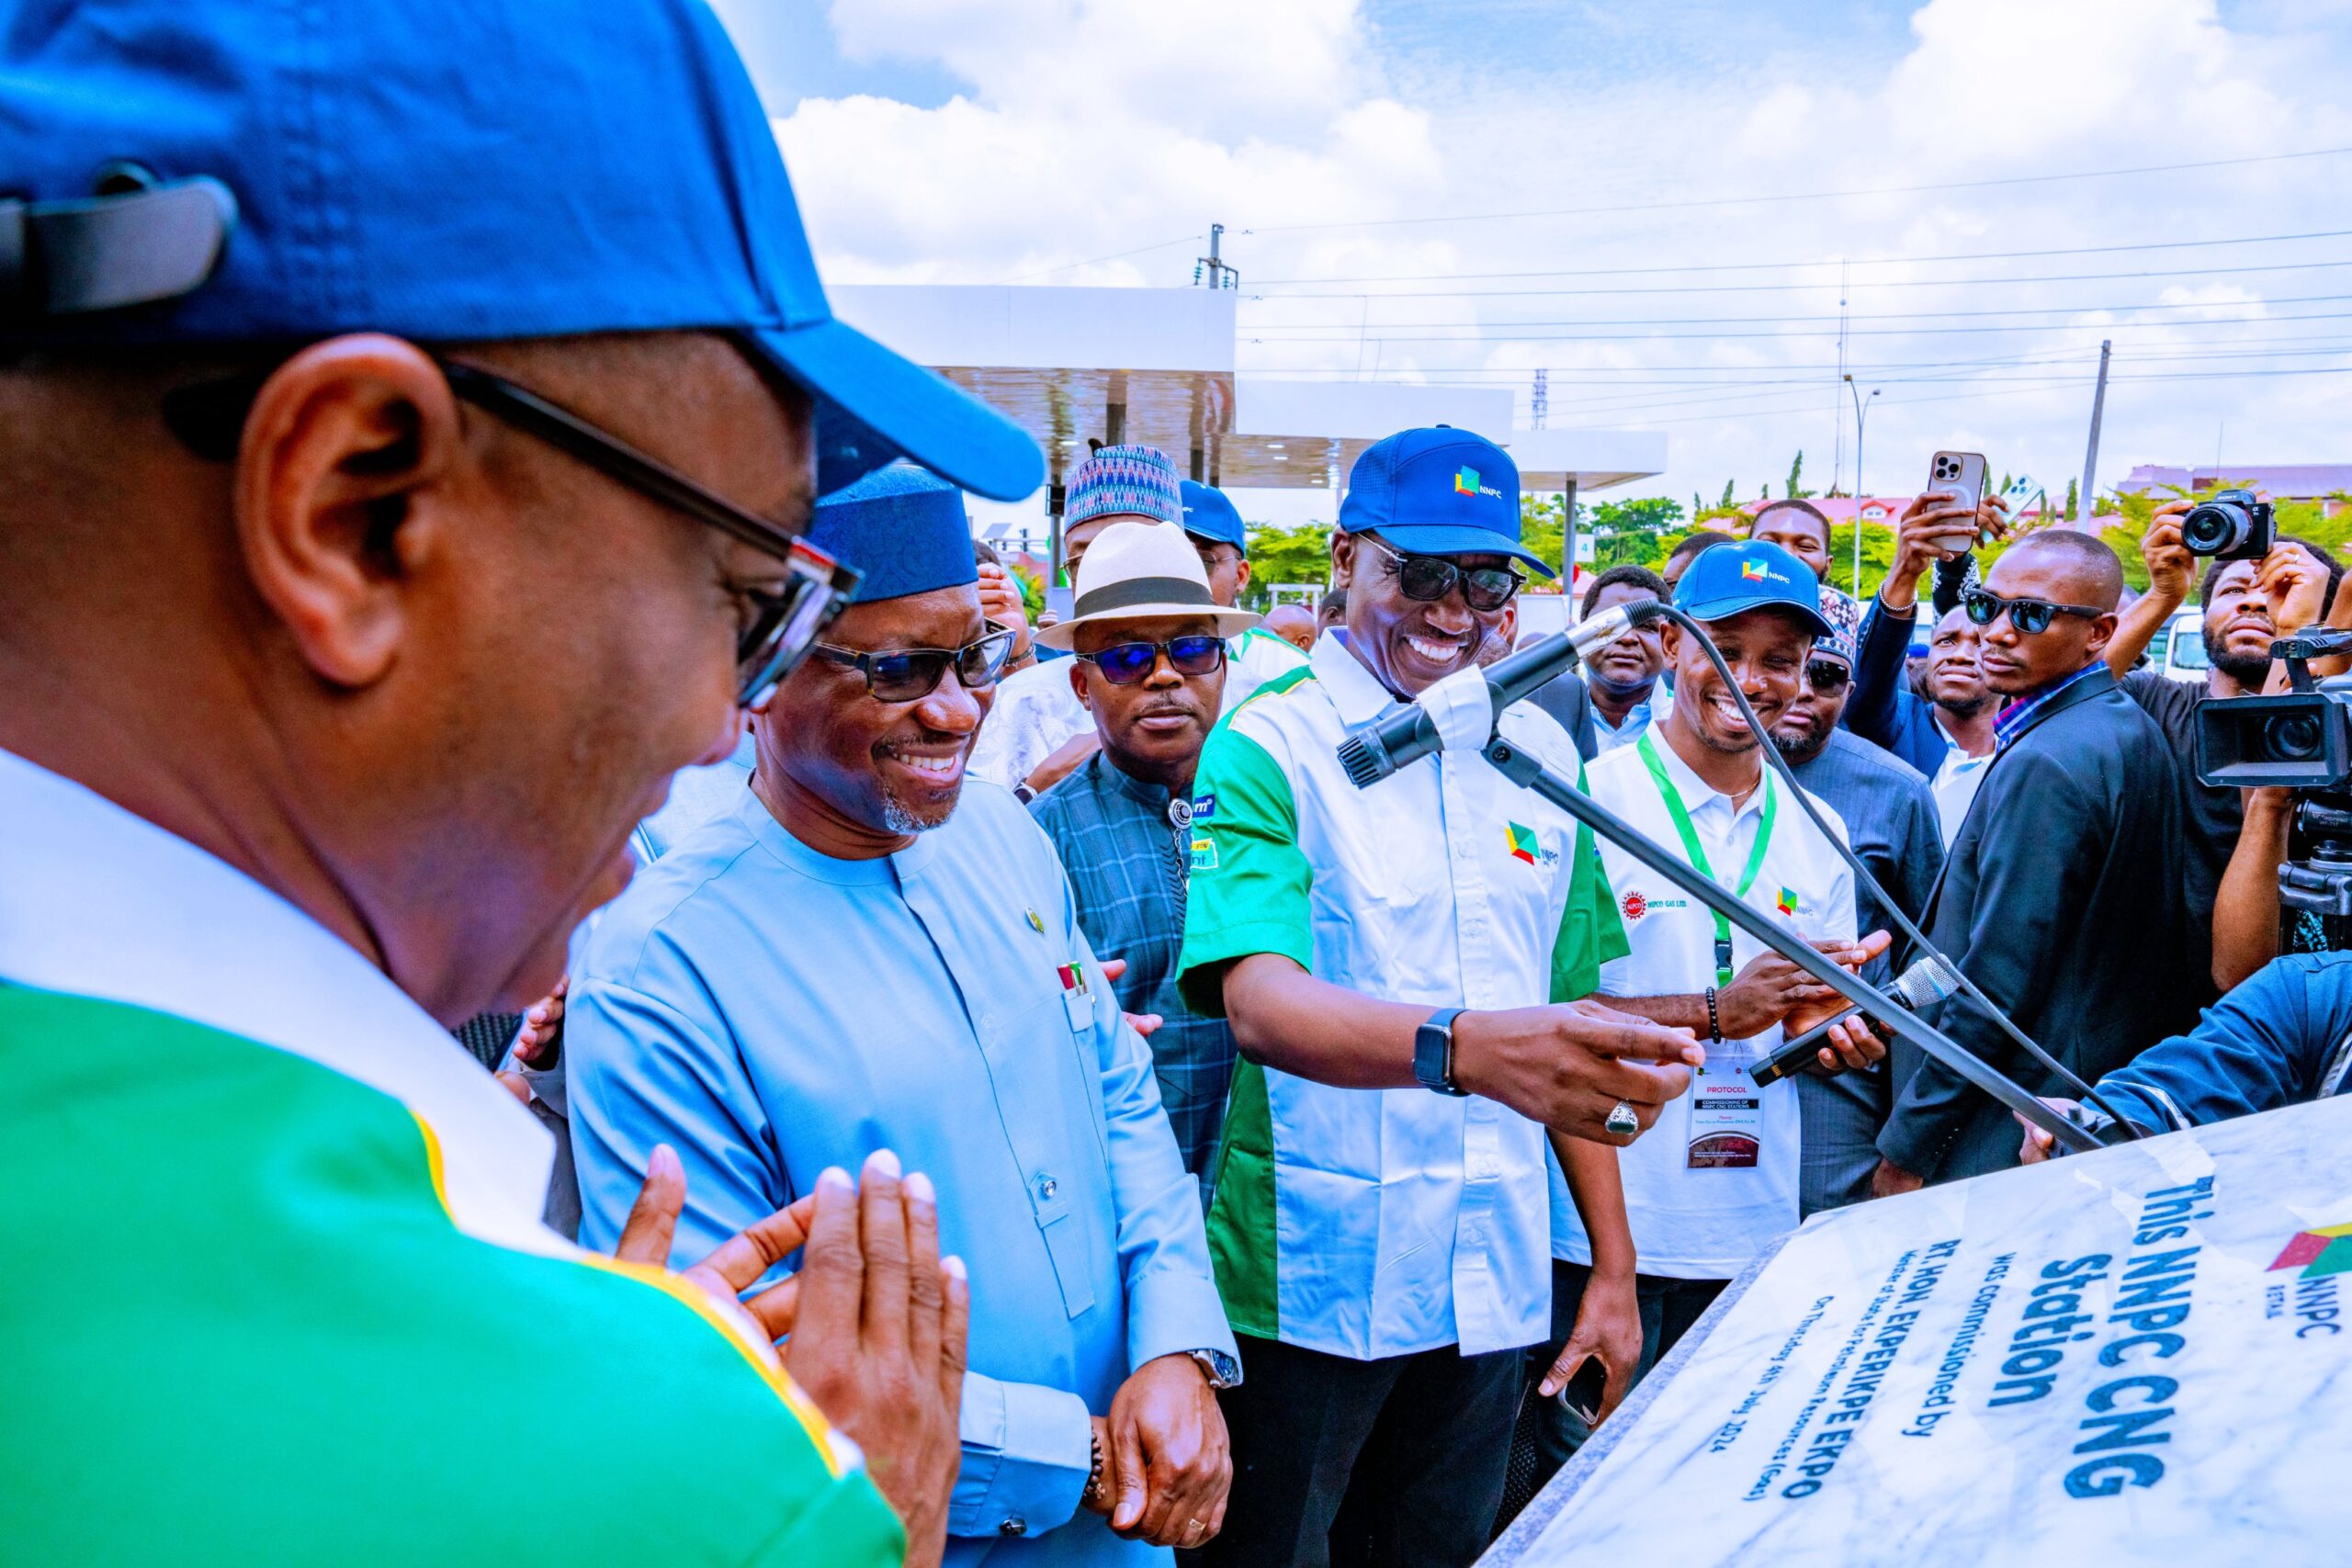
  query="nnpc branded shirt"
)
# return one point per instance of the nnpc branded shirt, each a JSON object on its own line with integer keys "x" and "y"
{"x": 278, "y": 1291}
{"x": 1716, "y": 1177}
{"x": 1376, "y": 1222}
{"x": 1036, "y": 710}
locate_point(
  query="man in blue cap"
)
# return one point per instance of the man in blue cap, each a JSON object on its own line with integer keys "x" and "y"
{"x": 409, "y": 431}
{"x": 1717, "y": 1177}
{"x": 864, "y": 955}
{"x": 1402, "y": 967}
{"x": 1039, "y": 732}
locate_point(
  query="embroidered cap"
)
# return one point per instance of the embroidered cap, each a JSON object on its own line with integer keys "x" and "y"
{"x": 1123, "y": 481}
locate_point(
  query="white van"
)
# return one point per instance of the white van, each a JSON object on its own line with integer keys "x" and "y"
{"x": 2181, "y": 655}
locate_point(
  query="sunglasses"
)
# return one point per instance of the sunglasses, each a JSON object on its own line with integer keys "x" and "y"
{"x": 2031, "y": 616}
{"x": 1124, "y": 664}
{"x": 911, "y": 674}
{"x": 209, "y": 417}
{"x": 1429, "y": 579}
{"x": 1826, "y": 675}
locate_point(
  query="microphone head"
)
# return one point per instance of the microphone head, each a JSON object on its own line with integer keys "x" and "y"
{"x": 1926, "y": 983}
{"x": 1366, "y": 760}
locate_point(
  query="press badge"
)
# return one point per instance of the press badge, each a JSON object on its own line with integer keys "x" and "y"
{"x": 1726, "y": 1118}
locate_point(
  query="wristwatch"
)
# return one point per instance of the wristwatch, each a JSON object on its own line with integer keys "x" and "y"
{"x": 1022, "y": 792}
{"x": 1433, "y": 1053}
{"x": 1221, "y": 1369}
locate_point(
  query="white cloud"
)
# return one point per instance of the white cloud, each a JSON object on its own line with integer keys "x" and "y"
{"x": 1090, "y": 126}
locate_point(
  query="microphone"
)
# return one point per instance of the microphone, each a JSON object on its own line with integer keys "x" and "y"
{"x": 1459, "y": 712}
{"x": 1924, "y": 984}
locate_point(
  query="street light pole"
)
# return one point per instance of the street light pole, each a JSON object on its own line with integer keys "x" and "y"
{"x": 1861, "y": 412}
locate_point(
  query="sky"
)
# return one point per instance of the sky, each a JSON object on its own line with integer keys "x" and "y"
{"x": 1655, "y": 203}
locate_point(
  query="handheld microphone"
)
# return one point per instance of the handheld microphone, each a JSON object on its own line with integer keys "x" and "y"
{"x": 1459, "y": 712}
{"x": 1926, "y": 982}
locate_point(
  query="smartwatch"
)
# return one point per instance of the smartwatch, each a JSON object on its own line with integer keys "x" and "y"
{"x": 1433, "y": 1053}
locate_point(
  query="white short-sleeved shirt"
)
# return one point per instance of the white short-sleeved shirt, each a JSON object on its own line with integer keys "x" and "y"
{"x": 1035, "y": 709}
{"x": 1376, "y": 1222}
{"x": 1706, "y": 1224}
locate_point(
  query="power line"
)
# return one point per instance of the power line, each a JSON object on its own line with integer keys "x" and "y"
{"x": 1116, "y": 255}
{"x": 1788, "y": 265}
{"x": 2215, "y": 272}
{"x": 1800, "y": 196}
{"x": 1867, "y": 332}
{"x": 1486, "y": 328}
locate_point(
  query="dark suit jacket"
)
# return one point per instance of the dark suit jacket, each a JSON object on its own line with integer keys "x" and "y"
{"x": 1564, "y": 698}
{"x": 2062, "y": 899}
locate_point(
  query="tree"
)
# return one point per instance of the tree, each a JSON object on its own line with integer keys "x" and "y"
{"x": 1796, "y": 476}
{"x": 1287, "y": 555}
{"x": 1725, "y": 502}
{"x": 2071, "y": 497}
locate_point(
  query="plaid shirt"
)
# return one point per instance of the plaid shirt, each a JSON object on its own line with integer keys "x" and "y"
{"x": 2015, "y": 716}
{"x": 1128, "y": 866}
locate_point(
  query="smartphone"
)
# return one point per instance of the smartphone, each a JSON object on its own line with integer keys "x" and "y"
{"x": 1582, "y": 1393}
{"x": 1960, "y": 474}
{"x": 2022, "y": 492}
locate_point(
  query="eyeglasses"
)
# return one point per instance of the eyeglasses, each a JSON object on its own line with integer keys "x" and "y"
{"x": 1827, "y": 676}
{"x": 209, "y": 417}
{"x": 1484, "y": 588}
{"x": 911, "y": 674}
{"x": 1124, "y": 664}
{"x": 2031, "y": 616}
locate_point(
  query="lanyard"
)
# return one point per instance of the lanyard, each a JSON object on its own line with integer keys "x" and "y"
{"x": 1697, "y": 856}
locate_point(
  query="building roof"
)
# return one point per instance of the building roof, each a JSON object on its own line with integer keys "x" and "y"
{"x": 2288, "y": 481}
{"x": 1057, "y": 361}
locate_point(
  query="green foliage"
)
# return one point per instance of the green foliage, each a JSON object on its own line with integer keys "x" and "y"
{"x": 1725, "y": 504}
{"x": 1647, "y": 515}
{"x": 1796, "y": 479}
{"x": 1032, "y": 588}
{"x": 1287, "y": 555}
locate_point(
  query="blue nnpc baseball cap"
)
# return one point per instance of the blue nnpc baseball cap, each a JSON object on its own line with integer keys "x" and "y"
{"x": 1439, "y": 491}
{"x": 212, "y": 171}
{"x": 1731, "y": 579}
{"x": 1209, "y": 514}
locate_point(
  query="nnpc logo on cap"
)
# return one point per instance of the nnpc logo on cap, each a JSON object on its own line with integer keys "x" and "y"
{"x": 1465, "y": 482}
{"x": 1755, "y": 571}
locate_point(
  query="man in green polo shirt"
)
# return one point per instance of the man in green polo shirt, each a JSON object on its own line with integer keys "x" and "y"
{"x": 408, "y": 429}
{"x": 1384, "y": 1250}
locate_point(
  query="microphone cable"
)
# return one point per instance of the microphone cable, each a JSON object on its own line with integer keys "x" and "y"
{"x": 1780, "y": 766}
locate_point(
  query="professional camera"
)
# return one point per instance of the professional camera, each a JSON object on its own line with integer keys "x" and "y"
{"x": 2299, "y": 740}
{"x": 2230, "y": 524}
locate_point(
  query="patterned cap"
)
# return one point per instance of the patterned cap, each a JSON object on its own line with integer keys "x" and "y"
{"x": 1844, "y": 615}
{"x": 1124, "y": 482}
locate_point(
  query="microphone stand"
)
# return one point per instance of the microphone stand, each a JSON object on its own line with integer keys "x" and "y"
{"x": 1530, "y": 773}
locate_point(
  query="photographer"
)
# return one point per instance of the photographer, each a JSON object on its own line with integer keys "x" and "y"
{"x": 2248, "y": 604}
{"x": 2282, "y": 1038}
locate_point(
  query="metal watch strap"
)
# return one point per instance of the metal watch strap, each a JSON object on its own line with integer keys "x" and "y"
{"x": 1022, "y": 792}
{"x": 1221, "y": 1369}
{"x": 1433, "y": 1053}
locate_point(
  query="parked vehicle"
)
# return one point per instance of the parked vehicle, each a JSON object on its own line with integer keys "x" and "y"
{"x": 2179, "y": 649}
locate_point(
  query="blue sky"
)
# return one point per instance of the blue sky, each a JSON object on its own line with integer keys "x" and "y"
{"x": 977, "y": 140}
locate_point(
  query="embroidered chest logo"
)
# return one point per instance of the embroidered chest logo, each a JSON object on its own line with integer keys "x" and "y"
{"x": 1527, "y": 848}
{"x": 1633, "y": 906}
{"x": 1787, "y": 902}
{"x": 1204, "y": 853}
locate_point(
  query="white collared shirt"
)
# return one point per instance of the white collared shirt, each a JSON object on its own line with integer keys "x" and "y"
{"x": 1376, "y": 1223}
{"x": 1637, "y": 720}
{"x": 1707, "y": 1223}
{"x": 97, "y": 902}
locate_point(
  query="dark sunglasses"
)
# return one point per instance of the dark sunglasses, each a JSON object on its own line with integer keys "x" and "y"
{"x": 1125, "y": 663}
{"x": 209, "y": 417}
{"x": 1484, "y": 588}
{"x": 1826, "y": 675}
{"x": 911, "y": 674}
{"x": 2031, "y": 616}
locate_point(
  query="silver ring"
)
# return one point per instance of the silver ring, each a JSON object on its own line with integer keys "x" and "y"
{"x": 1622, "y": 1122}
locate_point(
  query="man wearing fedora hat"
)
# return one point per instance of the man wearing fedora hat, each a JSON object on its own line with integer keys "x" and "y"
{"x": 1150, "y": 671}
{"x": 1038, "y": 730}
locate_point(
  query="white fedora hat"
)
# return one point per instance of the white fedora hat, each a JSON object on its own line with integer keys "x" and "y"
{"x": 1142, "y": 571}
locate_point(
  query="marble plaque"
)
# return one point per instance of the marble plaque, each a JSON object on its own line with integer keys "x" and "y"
{"x": 2134, "y": 1356}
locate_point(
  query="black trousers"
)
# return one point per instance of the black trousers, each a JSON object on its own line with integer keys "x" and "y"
{"x": 1548, "y": 1431}
{"x": 1392, "y": 1463}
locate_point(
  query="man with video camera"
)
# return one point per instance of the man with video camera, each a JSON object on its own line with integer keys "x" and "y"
{"x": 2260, "y": 586}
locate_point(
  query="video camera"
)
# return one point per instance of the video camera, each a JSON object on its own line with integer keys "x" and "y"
{"x": 2299, "y": 740}
{"x": 2230, "y": 524}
